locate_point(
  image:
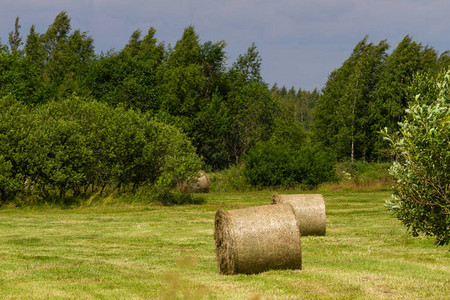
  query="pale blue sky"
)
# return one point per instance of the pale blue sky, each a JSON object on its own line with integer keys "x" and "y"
{"x": 300, "y": 42}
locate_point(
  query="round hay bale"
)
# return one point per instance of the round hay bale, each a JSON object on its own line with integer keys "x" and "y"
{"x": 202, "y": 185}
{"x": 309, "y": 210}
{"x": 256, "y": 239}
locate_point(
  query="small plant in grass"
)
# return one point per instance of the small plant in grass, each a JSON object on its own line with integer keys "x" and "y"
{"x": 364, "y": 174}
{"x": 421, "y": 197}
{"x": 230, "y": 179}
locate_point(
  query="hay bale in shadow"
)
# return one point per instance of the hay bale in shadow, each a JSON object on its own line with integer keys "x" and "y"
{"x": 202, "y": 185}
{"x": 309, "y": 210}
{"x": 257, "y": 239}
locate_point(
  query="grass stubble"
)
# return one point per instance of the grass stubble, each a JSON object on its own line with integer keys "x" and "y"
{"x": 158, "y": 252}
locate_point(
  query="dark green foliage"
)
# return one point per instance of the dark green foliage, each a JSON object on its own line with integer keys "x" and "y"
{"x": 211, "y": 129}
{"x": 297, "y": 107}
{"x": 224, "y": 111}
{"x": 395, "y": 77}
{"x": 34, "y": 49}
{"x": 370, "y": 92}
{"x": 20, "y": 79}
{"x": 252, "y": 111}
{"x": 421, "y": 171}
{"x": 63, "y": 57}
{"x": 15, "y": 119}
{"x": 129, "y": 77}
{"x": 15, "y": 40}
{"x": 342, "y": 115}
{"x": 78, "y": 145}
{"x": 120, "y": 79}
{"x": 274, "y": 164}
{"x": 248, "y": 66}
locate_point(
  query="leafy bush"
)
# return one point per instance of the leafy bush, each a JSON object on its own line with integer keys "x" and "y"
{"x": 421, "y": 197}
{"x": 20, "y": 78}
{"x": 360, "y": 172}
{"x": 272, "y": 164}
{"x": 72, "y": 144}
{"x": 230, "y": 179}
{"x": 14, "y": 119}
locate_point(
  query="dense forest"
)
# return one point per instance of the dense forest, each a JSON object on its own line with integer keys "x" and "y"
{"x": 224, "y": 112}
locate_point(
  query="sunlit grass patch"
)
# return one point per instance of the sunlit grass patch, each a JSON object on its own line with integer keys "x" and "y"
{"x": 167, "y": 252}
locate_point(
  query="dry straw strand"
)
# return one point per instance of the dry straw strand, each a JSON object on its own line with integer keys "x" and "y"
{"x": 256, "y": 239}
{"x": 309, "y": 210}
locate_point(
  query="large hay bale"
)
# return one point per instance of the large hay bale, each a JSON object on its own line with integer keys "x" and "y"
{"x": 309, "y": 210}
{"x": 202, "y": 185}
{"x": 256, "y": 239}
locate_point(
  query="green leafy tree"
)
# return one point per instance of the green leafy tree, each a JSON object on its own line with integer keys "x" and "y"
{"x": 57, "y": 153}
{"x": 18, "y": 76}
{"x": 444, "y": 61}
{"x": 147, "y": 49}
{"x": 213, "y": 59}
{"x": 69, "y": 145}
{"x": 396, "y": 74}
{"x": 15, "y": 121}
{"x": 20, "y": 79}
{"x": 342, "y": 115}
{"x": 15, "y": 40}
{"x": 194, "y": 92}
{"x": 250, "y": 105}
{"x": 252, "y": 112}
{"x": 120, "y": 79}
{"x": 62, "y": 57}
{"x": 184, "y": 83}
{"x": 34, "y": 49}
{"x": 248, "y": 66}
{"x": 422, "y": 193}
{"x": 297, "y": 107}
{"x": 211, "y": 130}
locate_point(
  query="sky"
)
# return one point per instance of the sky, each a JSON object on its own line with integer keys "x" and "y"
{"x": 300, "y": 41}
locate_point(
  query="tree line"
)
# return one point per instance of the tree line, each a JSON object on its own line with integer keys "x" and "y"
{"x": 226, "y": 111}
{"x": 370, "y": 92}
{"x": 223, "y": 110}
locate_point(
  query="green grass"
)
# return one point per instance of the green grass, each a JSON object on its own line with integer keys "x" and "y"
{"x": 157, "y": 252}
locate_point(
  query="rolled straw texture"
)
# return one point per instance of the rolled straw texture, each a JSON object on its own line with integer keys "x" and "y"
{"x": 309, "y": 210}
{"x": 202, "y": 185}
{"x": 257, "y": 239}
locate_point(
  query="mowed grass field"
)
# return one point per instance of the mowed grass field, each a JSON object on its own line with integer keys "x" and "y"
{"x": 119, "y": 251}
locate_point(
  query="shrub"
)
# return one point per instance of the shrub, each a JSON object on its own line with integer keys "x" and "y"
{"x": 362, "y": 172}
{"x": 72, "y": 144}
{"x": 15, "y": 118}
{"x": 230, "y": 179}
{"x": 272, "y": 164}
{"x": 421, "y": 197}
